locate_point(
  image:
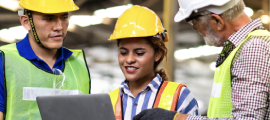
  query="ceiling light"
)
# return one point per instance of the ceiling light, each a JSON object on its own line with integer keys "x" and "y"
{"x": 205, "y": 50}
{"x": 99, "y": 16}
{"x": 12, "y": 34}
{"x": 6, "y": 36}
{"x": 85, "y": 20}
{"x": 10, "y": 4}
{"x": 248, "y": 11}
{"x": 265, "y": 19}
{"x": 112, "y": 12}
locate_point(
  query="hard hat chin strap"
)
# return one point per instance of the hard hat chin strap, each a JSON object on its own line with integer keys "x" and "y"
{"x": 29, "y": 13}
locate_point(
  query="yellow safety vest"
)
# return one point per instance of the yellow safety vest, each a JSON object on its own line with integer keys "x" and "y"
{"x": 166, "y": 98}
{"x": 220, "y": 104}
{"x": 20, "y": 73}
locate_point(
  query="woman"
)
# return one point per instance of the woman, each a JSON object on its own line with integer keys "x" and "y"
{"x": 140, "y": 38}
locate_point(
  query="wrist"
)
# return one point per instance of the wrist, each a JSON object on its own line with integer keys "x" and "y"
{"x": 179, "y": 116}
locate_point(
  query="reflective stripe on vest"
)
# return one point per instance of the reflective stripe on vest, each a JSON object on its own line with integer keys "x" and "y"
{"x": 166, "y": 98}
{"x": 20, "y": 73}
{"x": 220, "y": 104}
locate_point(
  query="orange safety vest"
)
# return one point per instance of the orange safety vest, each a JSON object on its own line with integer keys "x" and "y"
{"x": 166, "y": 98}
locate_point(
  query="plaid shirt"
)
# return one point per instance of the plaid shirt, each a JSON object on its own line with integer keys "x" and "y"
{"x": 250, "y": 74}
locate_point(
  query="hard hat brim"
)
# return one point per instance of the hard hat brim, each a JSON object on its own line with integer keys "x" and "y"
{"x": 178, "y": 17}
{"x": 213, "y": 6}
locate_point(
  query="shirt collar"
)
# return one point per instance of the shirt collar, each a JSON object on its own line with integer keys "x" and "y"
{"x": 239, "y": 35}
{"x": 26, "y": 51}
{"x": 153, "y": 85}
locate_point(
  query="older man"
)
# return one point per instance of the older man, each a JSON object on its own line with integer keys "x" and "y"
{"x": 241, "y": 83}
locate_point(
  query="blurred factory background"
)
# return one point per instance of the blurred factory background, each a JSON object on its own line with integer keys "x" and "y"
{"x": 190, "y": 61}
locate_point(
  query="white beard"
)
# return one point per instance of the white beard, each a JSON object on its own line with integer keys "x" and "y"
{"x": 211, "y": 38}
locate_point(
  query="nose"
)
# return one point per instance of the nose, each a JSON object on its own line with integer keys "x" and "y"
{"x": 58, "y": 25}
{"x": 130, "y": 59}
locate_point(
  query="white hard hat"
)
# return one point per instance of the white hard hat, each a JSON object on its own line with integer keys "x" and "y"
{"x": 214, "y": 6}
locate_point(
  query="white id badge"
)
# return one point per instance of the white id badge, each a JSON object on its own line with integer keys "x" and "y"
{"x": 30, "y": 93}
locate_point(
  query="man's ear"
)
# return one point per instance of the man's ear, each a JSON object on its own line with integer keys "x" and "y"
{"x": 25, "y": 22}
{"x": 220, "y": 23}
{"x": 157, "y": 56}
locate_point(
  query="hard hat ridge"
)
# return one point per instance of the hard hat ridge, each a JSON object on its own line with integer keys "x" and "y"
{"x": 138, "y": 21}
{"x": 49, "y": 6}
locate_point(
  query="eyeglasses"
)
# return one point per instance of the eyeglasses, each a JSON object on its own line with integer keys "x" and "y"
{"x": 192, "y": 20}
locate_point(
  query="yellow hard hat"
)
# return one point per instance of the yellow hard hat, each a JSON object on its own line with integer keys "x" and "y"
{"x": 138, "y": 21}
{"x": 49, "y": 6}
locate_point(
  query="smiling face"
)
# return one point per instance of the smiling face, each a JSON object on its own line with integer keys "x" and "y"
{"x": 51, "y": 28}
{"x": 136, "y": 59}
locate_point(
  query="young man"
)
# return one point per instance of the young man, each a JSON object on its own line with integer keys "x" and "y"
{"x": 29, "y": 67}
{"x": 241, "y": 83}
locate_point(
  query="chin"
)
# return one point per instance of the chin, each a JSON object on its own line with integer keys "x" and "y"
{"x": 54, "y": 46}
{"x": 131, "y": 78}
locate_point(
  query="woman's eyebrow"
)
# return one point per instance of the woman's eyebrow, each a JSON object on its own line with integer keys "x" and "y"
{"x": 123, "y": 48}
{"x": 139, "y": 49}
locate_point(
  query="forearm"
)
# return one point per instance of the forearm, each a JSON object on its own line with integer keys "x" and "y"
{"x": 192, "y": 117}
{"x": 1, "y": 115}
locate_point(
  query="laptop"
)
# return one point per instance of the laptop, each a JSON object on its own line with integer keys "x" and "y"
{"x": 76, "y": 107}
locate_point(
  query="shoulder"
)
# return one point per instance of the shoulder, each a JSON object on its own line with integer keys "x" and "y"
{"x": 255, "y": 47}
{"x": 258, "y": 42}
{"x": 187, "y": 103}
{"x": 185, "y": 92}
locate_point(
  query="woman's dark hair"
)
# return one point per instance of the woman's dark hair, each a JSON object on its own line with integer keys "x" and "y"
{"x": 158, "y": 46}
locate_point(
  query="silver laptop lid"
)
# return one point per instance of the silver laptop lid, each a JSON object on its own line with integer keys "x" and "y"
{"x": 76, "y": 107}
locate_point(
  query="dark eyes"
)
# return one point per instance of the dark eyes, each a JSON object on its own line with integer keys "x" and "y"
{"x": 64, "y": 18}
{"x": 51, "y": 18}
{"x": 123, "y": 53}
{"x": 138, "y": 53}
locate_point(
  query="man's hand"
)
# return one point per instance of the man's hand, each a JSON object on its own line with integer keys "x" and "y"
{"x": 155, "y": 114}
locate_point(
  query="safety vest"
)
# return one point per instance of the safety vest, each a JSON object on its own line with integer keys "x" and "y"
{"x": 20, "y": 73}
{"x": 220, "y": 104}
{"x": 166, "y": 98}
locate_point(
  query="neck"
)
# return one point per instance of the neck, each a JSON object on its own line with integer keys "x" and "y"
{"x": 237, "y": 24}
{"x": 47, "y": 55}
{"x": 138, "y": 85}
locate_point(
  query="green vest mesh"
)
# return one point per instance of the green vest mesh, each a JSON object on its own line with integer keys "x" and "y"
{"x": 19, "y": 73}
{"x": 220, "y": 104}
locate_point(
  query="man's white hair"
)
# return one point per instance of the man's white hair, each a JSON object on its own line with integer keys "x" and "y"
{"x": 230, "y": 14}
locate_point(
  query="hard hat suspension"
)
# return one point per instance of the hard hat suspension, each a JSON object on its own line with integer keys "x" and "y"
{"x": 29, "y": 13}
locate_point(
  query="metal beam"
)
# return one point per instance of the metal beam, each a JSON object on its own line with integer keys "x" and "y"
{"x": 9, "y": 18}
{"x": 169, "y": 10}
{"x": 80, "y": 2}
{"x": 117, "y": 2}
{"x": 265, "y": 6}
{"x": 149, "y": 3}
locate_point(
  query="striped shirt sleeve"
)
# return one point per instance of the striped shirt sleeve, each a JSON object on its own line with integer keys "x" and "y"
{"x": 187, "y": 104}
